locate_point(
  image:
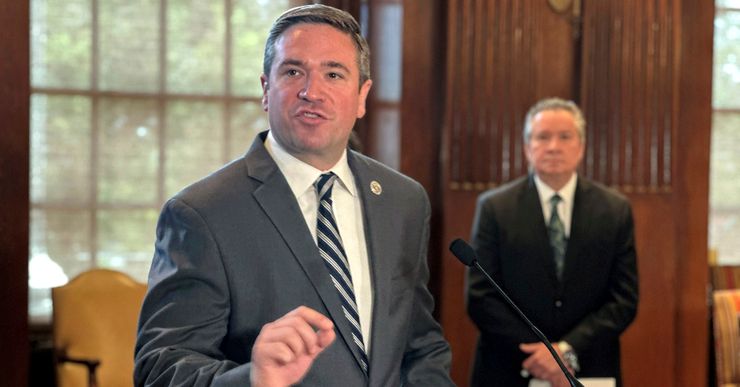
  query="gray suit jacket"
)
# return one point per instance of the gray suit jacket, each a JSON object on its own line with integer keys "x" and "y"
{"x": 592, "y": 305}
{"x": 233, "y": 252}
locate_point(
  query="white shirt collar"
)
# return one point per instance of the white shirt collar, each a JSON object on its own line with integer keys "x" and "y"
{"x": 567, "y": 193}
{"x": 300, "y": 175}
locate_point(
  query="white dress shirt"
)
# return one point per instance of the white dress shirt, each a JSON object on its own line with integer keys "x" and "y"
{"x": 348, "y": 212}
{"x": 565, "y": 207}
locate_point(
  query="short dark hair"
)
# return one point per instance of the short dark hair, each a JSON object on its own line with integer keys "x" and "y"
{"x": 319, "y": 14}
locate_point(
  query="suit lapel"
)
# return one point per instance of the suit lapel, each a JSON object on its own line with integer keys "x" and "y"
{"x": 280, "y": 206}
{"x": 374, "y": 214}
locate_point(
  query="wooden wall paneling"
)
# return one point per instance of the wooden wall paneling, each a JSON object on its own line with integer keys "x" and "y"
{"x": 627, "y": 94}
{"x": 14, "y": 182}
{"x": 638, "y": 90}
{"x": 667, "y": 63}
{"x": 499, "y": 64}
{"x": 501, "y": 57}
{"x": 450, "y": 278}
{"x": 457, "y": 204}
{"x": 636, "y": 54}
{"x": 648, "y": 345}
{"x": 648, "y": 136}
{"x": 634, "y": 74}
{"x": 497, "y": 104}
{"x": 658, "y": 80}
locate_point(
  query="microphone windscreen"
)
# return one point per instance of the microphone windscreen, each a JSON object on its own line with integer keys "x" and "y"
{"x": 463, "y": 252}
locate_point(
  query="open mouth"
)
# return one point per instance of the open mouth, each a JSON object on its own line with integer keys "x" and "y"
{"x": 310, "y": 114}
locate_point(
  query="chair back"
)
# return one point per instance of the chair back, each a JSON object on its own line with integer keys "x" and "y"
{"x": 95, "y": 317}
{"x": 726, "y": 316}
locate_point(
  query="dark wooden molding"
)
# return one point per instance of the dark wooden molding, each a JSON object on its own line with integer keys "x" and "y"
{"x": 14, "y": 191}
{"x": 692, "y": 179}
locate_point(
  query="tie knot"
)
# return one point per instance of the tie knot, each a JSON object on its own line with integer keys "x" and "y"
{"x": 324, "y": 184}
{"x": 555, "y": 199}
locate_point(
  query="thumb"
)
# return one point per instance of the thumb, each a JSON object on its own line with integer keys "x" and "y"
{"x": 528, "y": 348}
{"x": 325, "y": 338}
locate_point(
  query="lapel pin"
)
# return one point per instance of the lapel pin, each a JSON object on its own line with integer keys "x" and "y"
{"x": 375, "y": 187}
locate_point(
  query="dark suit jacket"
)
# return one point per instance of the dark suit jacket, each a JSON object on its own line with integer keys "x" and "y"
{"x": 592, "y": 305}
{"x": 233, "y": 252}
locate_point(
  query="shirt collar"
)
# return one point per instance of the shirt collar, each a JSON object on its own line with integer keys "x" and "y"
{"x": 567, "y": 193}
{"x": 300, "y": 175}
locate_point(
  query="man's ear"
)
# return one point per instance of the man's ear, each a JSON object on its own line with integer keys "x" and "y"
{"x": 364, "y": 90}
{"x": 265, "y": 88}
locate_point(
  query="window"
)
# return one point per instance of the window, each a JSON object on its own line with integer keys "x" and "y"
{"x": 131, "y": 101}
{"x": 724, "y": 222}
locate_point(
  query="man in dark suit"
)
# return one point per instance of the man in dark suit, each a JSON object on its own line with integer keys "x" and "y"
{"x": 301, "y": 263}
{"x": 568, "y": 262}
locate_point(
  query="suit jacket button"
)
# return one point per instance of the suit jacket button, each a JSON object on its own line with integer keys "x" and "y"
{"x": 558, "y": 303}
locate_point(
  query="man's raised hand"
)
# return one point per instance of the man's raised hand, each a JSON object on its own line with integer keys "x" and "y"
{"x": 286, "y": 347}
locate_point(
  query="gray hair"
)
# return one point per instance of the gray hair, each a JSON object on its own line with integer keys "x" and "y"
{"x": 555, "y": 104}
{"x": 319, "y": 14}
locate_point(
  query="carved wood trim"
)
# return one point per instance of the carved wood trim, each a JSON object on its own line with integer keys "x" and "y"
{"x": 491, "y": 82}
{"x": 629, "y": 63}
{"x": 629, "y": 93}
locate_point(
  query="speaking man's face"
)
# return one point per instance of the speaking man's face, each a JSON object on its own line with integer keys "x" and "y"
{"x": 313, "y": 96}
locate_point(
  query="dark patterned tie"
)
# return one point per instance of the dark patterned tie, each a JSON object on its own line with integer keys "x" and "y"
{"x": 556, "y": 231}
{"x": 332, "y": 251}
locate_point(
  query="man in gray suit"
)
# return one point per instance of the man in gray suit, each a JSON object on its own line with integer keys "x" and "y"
{"x": 302, "y": 263}
{"x": 562, "y": 247}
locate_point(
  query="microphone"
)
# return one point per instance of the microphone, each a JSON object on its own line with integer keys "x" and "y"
{"x": 465, "y": 253}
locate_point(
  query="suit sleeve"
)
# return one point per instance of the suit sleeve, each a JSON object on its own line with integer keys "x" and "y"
{"x": 186, "y": 310}
{"x": 620, "y": 307}
{"x": 488, "y": 311}
{"x": 426, "y": 360}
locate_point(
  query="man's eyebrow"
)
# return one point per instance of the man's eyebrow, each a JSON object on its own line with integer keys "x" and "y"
{"x": 291, "y": 62}
{"x": 335, "y": 65}
{"x": 329, "y": 64}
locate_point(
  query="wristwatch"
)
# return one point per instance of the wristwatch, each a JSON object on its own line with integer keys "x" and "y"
{"x": 569, "y": 355}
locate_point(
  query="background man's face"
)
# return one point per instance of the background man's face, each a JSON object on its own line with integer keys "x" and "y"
{"x": 555, "y": 149}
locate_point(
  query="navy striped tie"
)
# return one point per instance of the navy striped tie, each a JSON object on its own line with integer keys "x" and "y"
{"x": 331, "y": 250}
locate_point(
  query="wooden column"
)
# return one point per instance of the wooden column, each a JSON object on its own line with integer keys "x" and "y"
{"x": 14, "y": 182}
